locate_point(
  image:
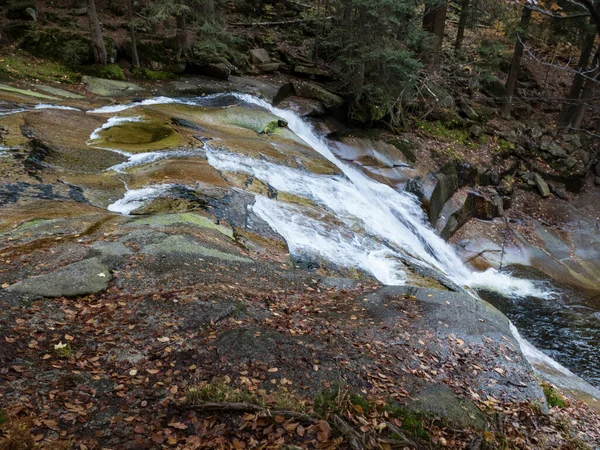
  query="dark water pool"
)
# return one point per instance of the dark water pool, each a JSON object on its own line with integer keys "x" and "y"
{"x": 565, "y": 327}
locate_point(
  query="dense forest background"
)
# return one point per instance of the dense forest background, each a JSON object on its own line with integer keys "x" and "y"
{"x": 393, "y": 59}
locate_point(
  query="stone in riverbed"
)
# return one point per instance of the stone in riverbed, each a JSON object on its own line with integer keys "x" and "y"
{"x": 303, "y": 106}
{"x": 81, "y": 278}
{"x": 58, "y": 92}
{"x": 110, "y": 88}
{"x": 312, "y": 91}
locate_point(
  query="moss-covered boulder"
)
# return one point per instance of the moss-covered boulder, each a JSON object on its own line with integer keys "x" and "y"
{"x": 111, "y": 88}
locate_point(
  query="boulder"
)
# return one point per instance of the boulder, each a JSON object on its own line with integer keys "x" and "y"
{"x": 468, "y": 111}
{"x": 493, "y": 88}
{"x": 521, "y": 111}
{"x": 551, "y": 147}
{"x": 304, "y": 107}
{"x": 463, "y": 206}
{"x": 439, "y": 95}
{"x": 313, "y": 91}
{"x": 269, "y": 67}
{"x": 259, "y": 56}
{"x": 311, "y": 72}
{"x": 476, "y": 131}
{"x": 81, "y": 278}
{"x": 215, "y": 70}
{"x": 597, "y": 181}
{"x": 437, "y": 188}
{"x": 541, "y": 185}
{"x": 110, "y": 88}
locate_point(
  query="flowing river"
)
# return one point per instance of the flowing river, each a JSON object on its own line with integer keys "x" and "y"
{"x": 350, "y": 220}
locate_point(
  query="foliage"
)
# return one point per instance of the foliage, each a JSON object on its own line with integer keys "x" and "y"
{"x": 110, "y": 71}
{"x": 220, "y": 390}
{"x": 23, "y": 65}
{"x": 148, "y": 74}
{"x": 63, "y": 350}
{"x": 554, "y": 399}
{"x": 383, "y": 68}
{"x": 438, "y": 129}
{"x": 215, "y": 45}
{"x": 69, "y": 48}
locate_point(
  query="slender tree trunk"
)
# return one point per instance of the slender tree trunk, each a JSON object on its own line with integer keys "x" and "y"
{"x": 318, "y": 32}
{"x": 570, "y": 105}
{"x": 135, "y": 59}
{"x": 434, "y": 21}
{"x": 472, "y": 19}
{"x": 462, "y": 23}
{"x": 587, "y": 92}
{"x": 180, "y": 38}
{"x": 515, "y": 65}
{"x": 100, "y": 54}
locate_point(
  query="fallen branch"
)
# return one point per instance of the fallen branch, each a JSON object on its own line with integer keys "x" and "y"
{"x": 275, "y": 24}
{"x": 349, "y": 434}
{"x": 249, "y": 408}
{"x": 401, "y": 441}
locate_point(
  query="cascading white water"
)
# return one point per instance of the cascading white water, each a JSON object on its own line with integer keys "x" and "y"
{"x": 393, "y": 217}
{"x": 381, "y": 227}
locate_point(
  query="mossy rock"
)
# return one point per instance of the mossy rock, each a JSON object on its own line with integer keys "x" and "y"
{"x": 111, "y": 88}
{"x": 148, "y": 74}
{"x": 70, "y": 48}
{"x": 110, "y": 72}
{"x": 138, "y": 137}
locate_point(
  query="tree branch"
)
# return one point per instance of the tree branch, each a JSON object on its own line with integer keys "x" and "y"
{"x": 275, "y": 24}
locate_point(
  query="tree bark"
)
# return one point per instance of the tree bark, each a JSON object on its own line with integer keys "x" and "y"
{"x": 572, "y": 98}
{"x": 135, "y": 59}
{"x": 100, "y": 54}
{"x": 462, "y": 23}
{"x": 587, "y": 92}
{"x": 515, "y": 65}
{"x": 434, "y": 22}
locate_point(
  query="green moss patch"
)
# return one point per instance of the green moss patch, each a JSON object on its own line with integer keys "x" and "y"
{"x": 168, "y": 220}
{"x": 21, "y": 65}
{"x": 153, "y": 75}
{"x": 137, "y": 137}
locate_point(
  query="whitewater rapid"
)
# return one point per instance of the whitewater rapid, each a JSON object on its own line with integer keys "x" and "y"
{"x": 356, "y": 221}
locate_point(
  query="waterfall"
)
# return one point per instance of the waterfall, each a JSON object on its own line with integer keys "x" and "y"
{"x": 356, "y": 222}
{"x": 391, "y": 219}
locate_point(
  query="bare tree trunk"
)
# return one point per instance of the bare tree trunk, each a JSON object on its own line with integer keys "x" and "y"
{"x": 100, "y": 54}
{"x": 515, "y": 65}
{"x": 587, "y": 92}
{"x": 434, "y": 21}
{"x": 570, "y": 105}
{"x": 135, "y": 59}
{"x": 462, "y": 23}
{"x": 318, "y": 32}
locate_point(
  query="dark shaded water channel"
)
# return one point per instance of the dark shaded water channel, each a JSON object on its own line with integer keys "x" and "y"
{"x": 565, "y": 327}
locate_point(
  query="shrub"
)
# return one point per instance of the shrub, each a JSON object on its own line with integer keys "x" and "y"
{"x": 110, "y": 71}
{"x": 148, "y": 74}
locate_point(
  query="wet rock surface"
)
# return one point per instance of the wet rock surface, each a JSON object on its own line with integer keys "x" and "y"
{"x": 197, "y": 284}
